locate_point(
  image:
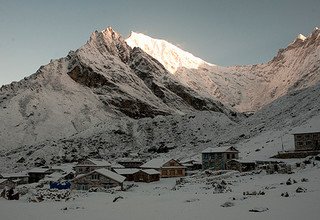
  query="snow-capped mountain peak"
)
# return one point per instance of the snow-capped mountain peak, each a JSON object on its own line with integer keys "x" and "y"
{"x": 169, "y": 55}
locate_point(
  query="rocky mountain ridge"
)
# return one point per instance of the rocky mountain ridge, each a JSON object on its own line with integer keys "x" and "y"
{"x": 103, "y": 80}
{"x": 108, "y": 100}
{"x": 249, "y": 87}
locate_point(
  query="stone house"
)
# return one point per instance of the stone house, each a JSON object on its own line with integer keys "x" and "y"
{"x": 37, "y": 174}
{"x": 217, "y": 158}
{"x": 19, "y": 178}
{"x": 90, "y": 164}
{"x": 166, "y": 167}
{"x": 100, "y": 178}
{"x": 148, "y": 175}
{"x": 307, "y": 141}
{"x": 127, "y": 172}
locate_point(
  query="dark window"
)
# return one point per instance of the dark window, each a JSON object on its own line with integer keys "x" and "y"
{"x": 95, "y": 176}
{"x": 233, "y": 156}
{"x": 228, "y": 156}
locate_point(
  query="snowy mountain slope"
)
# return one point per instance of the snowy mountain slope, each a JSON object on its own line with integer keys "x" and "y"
{"x": 103, "y": 80}
{"x": 257, "y": 137}
{"x": 97, "y": 100}
{"x": 246, "y": 88}
{"x": 169, "y": 55}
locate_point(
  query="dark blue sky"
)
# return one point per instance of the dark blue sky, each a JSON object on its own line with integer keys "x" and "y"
{"x": 223, "y": 32}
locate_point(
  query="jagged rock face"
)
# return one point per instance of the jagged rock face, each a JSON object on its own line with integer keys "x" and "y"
{"x": 103, "y": 80}
{"x": 245, "y": 88}
{"x": 156, "y": 82}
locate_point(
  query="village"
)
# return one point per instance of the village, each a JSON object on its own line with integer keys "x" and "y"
{"x": 97, "y": 174}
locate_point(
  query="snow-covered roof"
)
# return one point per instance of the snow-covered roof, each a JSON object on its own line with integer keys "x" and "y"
{"x": 218, "y": 149}
{"x": 14, "y": 175}
{"x": 115, "y": 165}
{"x": 38, "y": 170}
{"x": 151, "y": 171}
{"x": 54, "y": 176}
{"x": 110, "y": 174}
{"x": 106, "y": 173}
{"x": 126, "y": 171}
{"x": 310, "y": 131}
{"x": 156, "y": 163}
{"x": 243, "y": 161}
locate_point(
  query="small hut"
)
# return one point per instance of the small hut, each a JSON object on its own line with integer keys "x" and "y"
{"x": 167, "y": 167}
{"x": 127, "y": 172}
{"x": 149, "y": 175}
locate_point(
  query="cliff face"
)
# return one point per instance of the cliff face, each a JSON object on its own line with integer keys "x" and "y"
{"x": 103, "y": 80}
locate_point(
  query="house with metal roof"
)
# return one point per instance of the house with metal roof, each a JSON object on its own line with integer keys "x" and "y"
{"x": 127, "y": 172}
{"x": 166, "y": 166}
{"x": 100, "y": 178}
{"x": 148, "y": 175}
{"x": 37, "y": 174}
{"x": 91, "y": 164}
{"x": 19, "y": 178}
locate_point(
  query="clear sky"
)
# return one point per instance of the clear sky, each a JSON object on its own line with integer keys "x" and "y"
{"x": 223, "y": 32}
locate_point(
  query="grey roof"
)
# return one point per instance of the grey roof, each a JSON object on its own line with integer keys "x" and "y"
{"x": 218, "y": 149}
{"x": 115, "y": 165}
{"x": 126, "y": 171}
{"x": 151, "y": 171}
{"x": 15, "y": 175}
{"x": 107, "y": 173}
{"x": 243, "y": 161}
{"x": 306, "y": 132}
{"x": 156, "y": 163}
{"x": 111, "y": 175}
{"x": 38, "y": 170}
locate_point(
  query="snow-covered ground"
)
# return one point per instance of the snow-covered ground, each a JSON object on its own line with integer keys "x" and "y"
{"x": 193, "y": 199}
